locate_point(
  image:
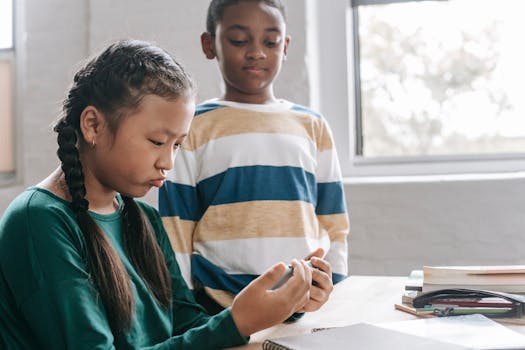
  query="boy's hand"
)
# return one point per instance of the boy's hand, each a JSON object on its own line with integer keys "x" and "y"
{"x": 257, "y": 307}
{"x": 322, "y": 285}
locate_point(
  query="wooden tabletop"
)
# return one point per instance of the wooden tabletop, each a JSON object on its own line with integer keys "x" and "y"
{"x": 357, "y": 299}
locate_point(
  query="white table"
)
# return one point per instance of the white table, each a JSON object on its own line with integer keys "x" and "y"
{"x": 357, "y": 299}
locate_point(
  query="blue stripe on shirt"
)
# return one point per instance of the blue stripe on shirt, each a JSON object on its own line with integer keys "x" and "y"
{"x": 206, "y": 107}
{"x": 242, "y": 184}
{"x": 179, "y": 200}
{"x": 210, "y": 275}
{"x": 330, "y": 198}
{"x": 251, "y": 183}
{"x": 337, "y": 277}
{"x": 302, "y": 109}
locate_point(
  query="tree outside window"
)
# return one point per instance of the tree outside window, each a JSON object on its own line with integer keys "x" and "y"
{"x": 440, "y": 78}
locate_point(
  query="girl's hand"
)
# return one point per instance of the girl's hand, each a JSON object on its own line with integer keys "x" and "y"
{"x": 257, "y": 307}
{"x": 322, "y": 284}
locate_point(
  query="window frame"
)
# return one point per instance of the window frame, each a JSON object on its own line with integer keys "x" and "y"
{"x": 11, "y": 54}
{"x": 338, "y": 81}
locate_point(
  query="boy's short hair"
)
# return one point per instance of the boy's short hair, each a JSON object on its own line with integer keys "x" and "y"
{"x": 216, "y": 9}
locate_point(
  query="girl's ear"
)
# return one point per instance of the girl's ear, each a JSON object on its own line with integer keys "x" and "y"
{"x": 90, "y": 124}
{"x": 286, "y": 43}
{"x": 207, "y": 45}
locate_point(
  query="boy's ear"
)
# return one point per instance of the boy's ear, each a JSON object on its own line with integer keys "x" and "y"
{"x": 90, "y": 125}
{"x": 207, "y": 45}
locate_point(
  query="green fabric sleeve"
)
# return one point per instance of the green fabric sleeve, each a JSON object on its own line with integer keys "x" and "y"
{"x": 54, "y": 305}
{"x": 50, "y": 282}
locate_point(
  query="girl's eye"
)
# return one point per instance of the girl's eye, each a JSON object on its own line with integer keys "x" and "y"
{"x": 156, "y": 143}
{"x": 176, "y": 146}
{"x": 238, "y": 42}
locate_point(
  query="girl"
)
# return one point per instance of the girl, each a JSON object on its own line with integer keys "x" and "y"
{"x": 82, "y": 264}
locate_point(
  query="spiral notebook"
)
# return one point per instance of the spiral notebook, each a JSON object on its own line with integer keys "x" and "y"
{"x": 355, "y": 337}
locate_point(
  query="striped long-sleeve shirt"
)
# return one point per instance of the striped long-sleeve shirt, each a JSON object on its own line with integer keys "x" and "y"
{"x": 253, "y": 185}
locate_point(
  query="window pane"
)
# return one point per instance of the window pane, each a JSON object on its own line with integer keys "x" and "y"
{"x": 6, "y": 126}
{"x": 6, "y": 24}
{"x": 442, "y": 77}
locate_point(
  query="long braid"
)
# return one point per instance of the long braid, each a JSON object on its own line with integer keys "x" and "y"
{"x": 144, "y": 253}
{"x": 107, "y": 270}
{"x": 69, "y": 156}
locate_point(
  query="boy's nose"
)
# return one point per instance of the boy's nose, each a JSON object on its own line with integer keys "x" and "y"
{"x": 255, "y": 52}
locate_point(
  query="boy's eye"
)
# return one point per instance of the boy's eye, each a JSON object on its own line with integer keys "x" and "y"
{"x": 237, "y": 42}
{"x": 271, "y": 43}
{"x": 176, "y": 146}
{"x": 156, "y": 143}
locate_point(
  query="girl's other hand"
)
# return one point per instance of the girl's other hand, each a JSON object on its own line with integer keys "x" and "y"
{"x": 257, "y": 307}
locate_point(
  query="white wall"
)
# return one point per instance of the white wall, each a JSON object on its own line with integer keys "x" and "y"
{"x": 396, "y": 227}
{"x": 54, "y": 36}
{"x": 401, "y": 226}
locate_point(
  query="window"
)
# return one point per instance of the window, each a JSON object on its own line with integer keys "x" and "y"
{"x": 439, "y": 79}
{"x": 7, "y": 162}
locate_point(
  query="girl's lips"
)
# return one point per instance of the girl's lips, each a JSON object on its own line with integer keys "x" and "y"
{"x": 157, "y": 183}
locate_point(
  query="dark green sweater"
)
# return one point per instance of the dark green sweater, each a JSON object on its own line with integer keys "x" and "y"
{"x": 48, "y": 302}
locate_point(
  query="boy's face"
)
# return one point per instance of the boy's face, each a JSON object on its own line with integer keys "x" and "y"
{"x": 250, "y": 44}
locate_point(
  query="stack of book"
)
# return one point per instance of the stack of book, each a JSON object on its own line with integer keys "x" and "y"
{"x": 507, "y": 279}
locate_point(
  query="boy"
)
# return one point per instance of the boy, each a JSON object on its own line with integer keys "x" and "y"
{"x": 261, "y": 174}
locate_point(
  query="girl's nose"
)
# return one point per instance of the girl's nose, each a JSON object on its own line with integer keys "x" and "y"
{"x": 165, "y": 161}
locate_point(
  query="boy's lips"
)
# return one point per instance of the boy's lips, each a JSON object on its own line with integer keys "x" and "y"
{"x": 254, "y": 69}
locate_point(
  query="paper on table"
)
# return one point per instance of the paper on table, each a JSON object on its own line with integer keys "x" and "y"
{"x": 475, "y": 331}
{"x": 359, "y": 336}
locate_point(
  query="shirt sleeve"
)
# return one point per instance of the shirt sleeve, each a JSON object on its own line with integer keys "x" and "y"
{"x": 51, "y": 286}
{"x": 331, "y": 206}
{"x": 53, "y": 291}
